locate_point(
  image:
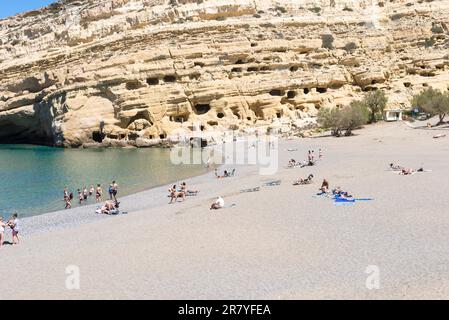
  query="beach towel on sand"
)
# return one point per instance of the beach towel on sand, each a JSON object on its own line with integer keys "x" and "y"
{"x": 272, "y": 183}
{"x": 251, "y": 190}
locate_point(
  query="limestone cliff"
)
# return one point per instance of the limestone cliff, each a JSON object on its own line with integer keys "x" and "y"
{"x": 129, "y": 72}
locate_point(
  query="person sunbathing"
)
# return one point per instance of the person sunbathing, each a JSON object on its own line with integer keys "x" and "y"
{"x": 292, "y": 163}
{"x": 307, "y": 180}
{"x": 339, "y": 193}
{"x": 396, "y": 167}
{"x": 408, "y": 171}
{"x": 108, "y": 207}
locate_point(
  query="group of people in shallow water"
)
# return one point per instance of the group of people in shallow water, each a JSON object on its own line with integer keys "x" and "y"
{"x": 14, "y": 224}
{"x": 84, "y": 194}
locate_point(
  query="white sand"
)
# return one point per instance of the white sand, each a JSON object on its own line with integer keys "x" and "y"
{"x": 278, "y": 243}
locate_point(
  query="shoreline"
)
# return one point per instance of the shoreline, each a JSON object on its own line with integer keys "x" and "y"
{"x": 67, "y": 218}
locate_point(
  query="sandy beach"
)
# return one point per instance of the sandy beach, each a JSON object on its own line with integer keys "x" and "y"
{"x": 278, "y": 243}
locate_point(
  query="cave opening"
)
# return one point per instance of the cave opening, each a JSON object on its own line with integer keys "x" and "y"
{"x": 236, "y": 70}
{"x": 220, "y": 115}
{"x": 198, "y": 64}
{"x": 321, "y": 90}
{"x": 277, "y": 92}
{"x": 253, "y": 69}
{"x": 306, "y": 90}
{"x": 170, "y": 78}
{"x": 294, "y": 68}
{"x": 291, "y": 94}
{"x": 201, "y": 108}
{"x": 239, "y": 61}
{"x": 97, "y": 136}
{"x": 133, "y": 85}
{"x": 152, "y": 81}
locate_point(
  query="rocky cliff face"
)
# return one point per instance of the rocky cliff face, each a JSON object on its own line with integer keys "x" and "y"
{"x": 127, "y": 72}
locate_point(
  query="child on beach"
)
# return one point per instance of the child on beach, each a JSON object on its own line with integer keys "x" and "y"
{"x": 2, "y": 231}
{"x": 14, "y": 224}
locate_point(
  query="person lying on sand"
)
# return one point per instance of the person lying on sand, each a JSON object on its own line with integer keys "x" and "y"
{"x": 301, "y": 181}
{"x": 409, "y": 171}
{"x": 395, "y": 167}
{"x": 339, "y": 193}
{"x": 108, "y": 207}
{"x": 217, "y": 204}
{"x": 292, "y": 163}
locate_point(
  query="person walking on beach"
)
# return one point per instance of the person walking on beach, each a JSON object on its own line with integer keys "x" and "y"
{"x": 68, "y": 204}
{"x": 2, "y": 231}
{"x": 98, "y": 193}
{"x": 14, "y": 224}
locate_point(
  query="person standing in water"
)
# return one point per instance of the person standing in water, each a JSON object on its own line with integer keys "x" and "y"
{"x": 85, "y": 194}
{"x": 80, "y": 196}
{"x": 98, "y": 193}
{"x": 91, "y": 191}
{"x": 114, "y": 190}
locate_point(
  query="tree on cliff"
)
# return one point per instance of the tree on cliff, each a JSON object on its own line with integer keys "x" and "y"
{"x": 348, "y": 118}
{"x": 375, "y": 101}
{"x": 433, "y": 102}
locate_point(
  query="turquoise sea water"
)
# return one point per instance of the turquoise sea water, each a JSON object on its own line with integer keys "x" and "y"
{"x": 32, "y": 178}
